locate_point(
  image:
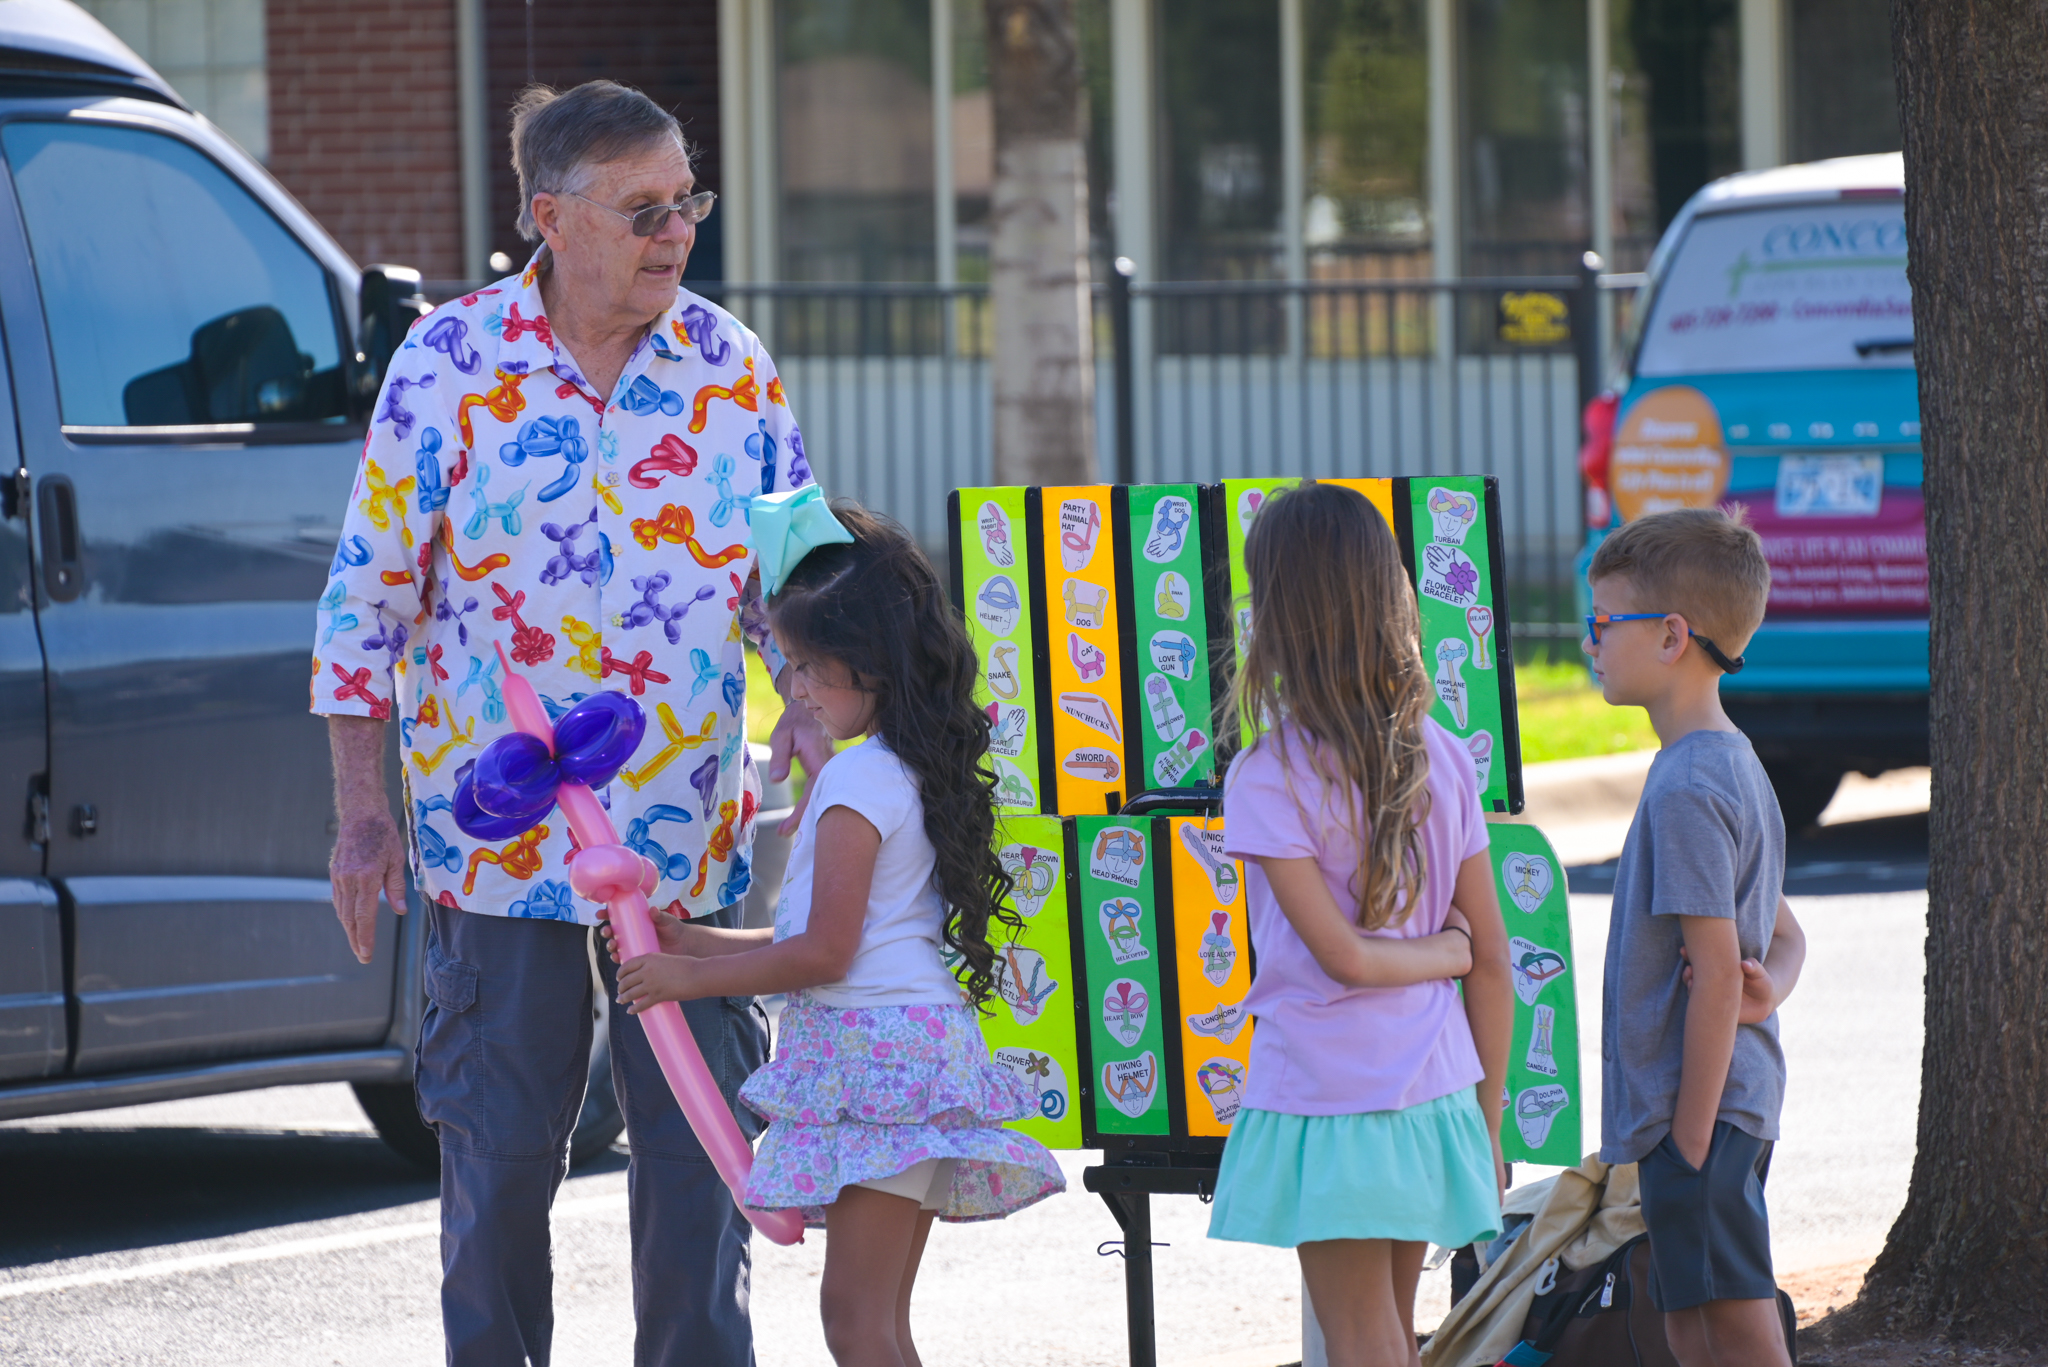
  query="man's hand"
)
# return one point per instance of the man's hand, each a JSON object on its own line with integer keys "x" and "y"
{"x": 369, "y": 858}
{"x": 369, "y": 854}
{"x": 796, "y": 733}
{"x": 1759, "y": 990}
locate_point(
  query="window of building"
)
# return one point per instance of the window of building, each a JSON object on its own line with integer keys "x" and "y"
{"x": 1843, "y": 100}
{"x": 1218, "y": 141}
{"x": 211, "y": 51}
{"x": 1677, "y": 86}
{"x": 855, "y": 124}
{"x": 1526, "y": 202}
{"x": 1367, "y": 133}
{"x": 192, "y": 305}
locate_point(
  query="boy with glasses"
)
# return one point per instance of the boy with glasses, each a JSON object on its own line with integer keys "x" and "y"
{"x": 1702, "y": 946}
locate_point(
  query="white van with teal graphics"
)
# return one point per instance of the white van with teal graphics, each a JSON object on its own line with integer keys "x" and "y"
{"x": 1771, "y": 366}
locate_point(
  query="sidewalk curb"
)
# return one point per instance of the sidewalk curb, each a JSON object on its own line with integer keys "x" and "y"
{"x": 1573, "y": 792}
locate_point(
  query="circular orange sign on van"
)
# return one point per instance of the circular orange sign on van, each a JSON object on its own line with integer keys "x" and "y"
{"x": 1669, "y": 453}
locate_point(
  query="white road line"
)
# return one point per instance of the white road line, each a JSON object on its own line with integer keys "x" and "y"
{"x": 263, "y": 1253}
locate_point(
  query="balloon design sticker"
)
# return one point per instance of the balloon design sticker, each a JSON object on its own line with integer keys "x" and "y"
{"x": 1222, "y": 1081}
{"x": 1022, "y": 982}
{"x": 1174, "y": 652}
{"x": 1173, "y": 766}
{"x": 1121, "y": 918}
{"x": 1130, "y": 1084}
{"x": 1534, "y": 966}
{"x": 1090, "y": 663}
{"x": 1042, "y": 1074}
{"x": 1008, "y": 725}
{"x": 1125, "y": 1009}
{"x": 1090, "y": 710}
{"x": 1034, "y": 873}
{"x": 1218, "y": 952}
{"x": 1449, "y": 576}
{"x": 1012, "y": 788}
{"x": 1170, "y": 518}
{"x": 1002, "y": 671}
{"x": 1480, "y": 619}
{"x": 1207, "y": 848}
{"x": 1170, "y": 597}
{"x": 995, "y": 535}
{"x": 1540, "y": 1059}
{"x": 1450, "y": 683}
{"x": 1536, "y": 1109}
{"x": 1248, "y": 505}
{"x": 997, "y": 605}
{"x": 1096, "y": 766}
{"x": 1087, "y": 603}
{"x": 1080, "y": 525}
{"x": 1480, "y": 743}
{"x": 1528, "y": 878}
{"x": 1163, "y": 706}
{"x": 1452, "y": 511}
{"x": 1118, "y": 856}
{"x": 1225, "y": 1023}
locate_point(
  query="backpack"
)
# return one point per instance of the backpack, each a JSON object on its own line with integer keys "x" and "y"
{"x": 1602, "y": 1316}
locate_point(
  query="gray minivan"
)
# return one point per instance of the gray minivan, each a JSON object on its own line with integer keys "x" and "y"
{"x": 189, "y": 363}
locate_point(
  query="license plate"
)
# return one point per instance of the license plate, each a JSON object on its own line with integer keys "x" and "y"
{"x": 1830, "y": 486}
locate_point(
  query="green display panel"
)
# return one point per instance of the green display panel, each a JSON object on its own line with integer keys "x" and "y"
{"x": 1454, "y": 590}
{"x": 1032, "y": 1030}
{"x": 1545, "y": 1110}
{"x": 995, "y": 576}
{"x": 1114, "y": 868}
{"x": 1168, "y": 650}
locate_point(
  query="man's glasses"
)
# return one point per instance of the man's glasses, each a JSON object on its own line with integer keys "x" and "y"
{"x": 1599, "y": 620}
{"x": 652, "y": 219}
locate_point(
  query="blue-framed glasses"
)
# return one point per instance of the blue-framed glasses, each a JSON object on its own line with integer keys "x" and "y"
{"x": 1602, "y": 619}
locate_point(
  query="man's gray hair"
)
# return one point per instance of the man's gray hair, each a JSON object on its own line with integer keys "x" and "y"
{"x": 559, "y": 137}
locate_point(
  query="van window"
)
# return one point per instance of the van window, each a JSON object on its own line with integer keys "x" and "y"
{"x": 172, "y": 296}
{"x": 1791, "y": 287}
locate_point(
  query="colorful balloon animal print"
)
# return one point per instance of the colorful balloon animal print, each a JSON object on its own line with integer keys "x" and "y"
{"x": 602, "y": 541}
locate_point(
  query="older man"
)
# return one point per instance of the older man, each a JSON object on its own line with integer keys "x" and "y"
{"x": 560, "y": 464}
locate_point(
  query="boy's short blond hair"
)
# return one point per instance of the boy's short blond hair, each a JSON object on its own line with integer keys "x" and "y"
{"x": 1701, "y": 563}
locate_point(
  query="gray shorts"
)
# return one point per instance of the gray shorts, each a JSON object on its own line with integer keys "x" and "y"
{"x": 1710, "y": 1237}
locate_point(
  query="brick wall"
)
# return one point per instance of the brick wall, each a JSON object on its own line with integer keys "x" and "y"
{"x": 668, "y": 50}
{"x": 363, "y": 125}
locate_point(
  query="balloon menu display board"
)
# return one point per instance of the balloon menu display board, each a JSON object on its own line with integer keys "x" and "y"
{"x": 1103, "y": 617}
{"x": 1098, "y": 612}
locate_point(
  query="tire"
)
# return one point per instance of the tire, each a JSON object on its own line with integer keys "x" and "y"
{"x": 393, "y": 1109}
{"x": 1804, "y": 791}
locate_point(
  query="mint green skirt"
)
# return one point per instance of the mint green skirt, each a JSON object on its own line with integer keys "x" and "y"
{"x": 1424, "y": 1174}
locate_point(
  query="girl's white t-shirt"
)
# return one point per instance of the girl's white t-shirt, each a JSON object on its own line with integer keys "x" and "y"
{"x": 898, "y": 961}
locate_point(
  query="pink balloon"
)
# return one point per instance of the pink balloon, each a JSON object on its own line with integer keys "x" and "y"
{"x": 604, "y": 870}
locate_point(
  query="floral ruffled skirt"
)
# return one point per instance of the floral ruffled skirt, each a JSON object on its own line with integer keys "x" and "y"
{"x": 857, "y": 1095}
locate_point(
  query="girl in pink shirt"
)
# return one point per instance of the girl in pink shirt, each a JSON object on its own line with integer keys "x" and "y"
{"x": 1371, "y": 1123}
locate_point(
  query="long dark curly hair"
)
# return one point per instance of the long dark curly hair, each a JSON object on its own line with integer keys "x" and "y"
{"x": 877, "y": 607}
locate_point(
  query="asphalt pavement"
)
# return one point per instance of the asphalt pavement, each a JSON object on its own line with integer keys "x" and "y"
{"x": 274, "y": 1227}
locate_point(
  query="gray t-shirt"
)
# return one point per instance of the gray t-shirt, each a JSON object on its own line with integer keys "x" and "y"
{"x": 1707, "y": 840}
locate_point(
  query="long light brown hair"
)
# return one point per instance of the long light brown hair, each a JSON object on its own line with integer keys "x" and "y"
{"x": 1336, "y": 649}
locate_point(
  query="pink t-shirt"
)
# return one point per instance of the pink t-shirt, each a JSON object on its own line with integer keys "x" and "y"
{"x": 1322, "y": 1048}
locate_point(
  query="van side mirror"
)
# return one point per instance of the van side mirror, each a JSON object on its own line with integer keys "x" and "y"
{"x": 391, "y": 302}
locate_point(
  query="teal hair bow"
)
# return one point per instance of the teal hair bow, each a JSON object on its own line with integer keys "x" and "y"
{"x": 787, "y": 527}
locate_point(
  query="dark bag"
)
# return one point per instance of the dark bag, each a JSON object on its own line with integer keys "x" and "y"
{"x": 1602, "y": 1316}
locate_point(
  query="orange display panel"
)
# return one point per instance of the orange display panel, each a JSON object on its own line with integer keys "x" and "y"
{"x": 1084, "y": 666}
{"x": 1212, "y": 970}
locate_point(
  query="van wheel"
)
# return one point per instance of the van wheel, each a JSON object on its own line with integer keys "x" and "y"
{"x": 1804, "y": 790}
{"x": 392, "y": 1108}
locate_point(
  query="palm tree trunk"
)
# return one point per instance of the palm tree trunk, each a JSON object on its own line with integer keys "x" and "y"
{"x": 1044, "y": 366}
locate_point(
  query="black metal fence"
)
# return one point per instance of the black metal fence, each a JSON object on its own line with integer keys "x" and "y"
{"x": 1198, "y": 381}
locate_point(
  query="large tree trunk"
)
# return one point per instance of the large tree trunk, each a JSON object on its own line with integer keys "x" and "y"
{"x": 1969, "y": 1255}
{"x": 1038, "y": 262}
